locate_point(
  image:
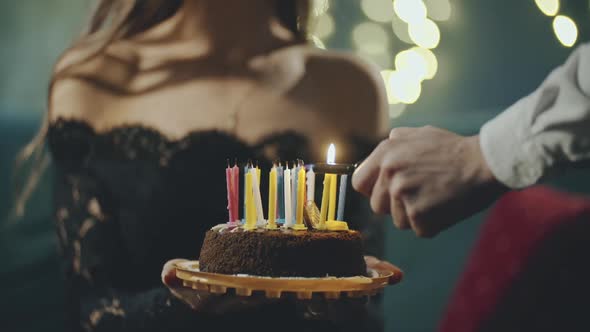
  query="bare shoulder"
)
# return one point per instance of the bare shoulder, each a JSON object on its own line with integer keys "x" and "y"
{"x": 351, "y": 90}
{"x": 80, "y": 78}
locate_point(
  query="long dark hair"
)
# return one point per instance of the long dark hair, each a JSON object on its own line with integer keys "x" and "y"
{"x": 114, "y": 20}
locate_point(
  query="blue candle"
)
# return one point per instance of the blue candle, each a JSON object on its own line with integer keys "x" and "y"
{"x": 342, "y": 197}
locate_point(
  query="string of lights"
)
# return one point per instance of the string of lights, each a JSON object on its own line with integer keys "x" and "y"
{"x": 413, "y": 22}
{"x": 564, "y": 27}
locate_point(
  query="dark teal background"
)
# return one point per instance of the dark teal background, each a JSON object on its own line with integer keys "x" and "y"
{"x": 491, "y": 54}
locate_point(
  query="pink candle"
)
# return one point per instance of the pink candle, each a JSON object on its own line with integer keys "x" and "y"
{"x": 235, "y": 191}
{"x": 228, "y": 182}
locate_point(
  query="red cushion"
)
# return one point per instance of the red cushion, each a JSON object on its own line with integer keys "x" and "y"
{"x": 527, "y": 267}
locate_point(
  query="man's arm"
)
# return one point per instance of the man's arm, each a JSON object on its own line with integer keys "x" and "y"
{"x": 545, "y": 132}
{"x": 429, "y": 179}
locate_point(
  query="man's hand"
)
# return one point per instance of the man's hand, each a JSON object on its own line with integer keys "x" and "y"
{"x": 427, "y": 178}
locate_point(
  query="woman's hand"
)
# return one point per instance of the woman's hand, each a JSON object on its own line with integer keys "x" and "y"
{"x": 204, "y": 301}
{"x": 379, "y": 265}
{"x": 191, "y": 297}
{"x": 427, "y": 178}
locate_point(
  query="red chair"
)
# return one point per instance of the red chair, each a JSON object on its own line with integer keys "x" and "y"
{"x": 530, "y": 268}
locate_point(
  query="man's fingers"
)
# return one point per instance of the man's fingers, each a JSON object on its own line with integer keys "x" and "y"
{"x": 380, "y": 195}
{"x": 398, "y": 213}
{"x": 365, "y": 176}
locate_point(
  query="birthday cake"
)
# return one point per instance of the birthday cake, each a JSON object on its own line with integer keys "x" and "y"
{"x": 283, "y": 253}
{"x": 297, "y": 239}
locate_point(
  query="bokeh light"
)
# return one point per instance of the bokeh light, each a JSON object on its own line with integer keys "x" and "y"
{"x": 425, "y": 33}
{"x": 400, "y": 29}
{"x": 317, "y": 42}
{"x": 319, "y": 7}
{"x": 324, "y": 26}
{"x": 566, "y": 30}
{"x": 410, "y": 11}
{"x": 370, "y": 38}
{"x": 548, "y": 7}
{"x": 378, "y": 10}
{"x": 431, "y": 61}
{"x": 412, "y": 23}
{"x": 404, "y": 87}
{"x": 438, "y": 10}
{"x": 413, "y": 63}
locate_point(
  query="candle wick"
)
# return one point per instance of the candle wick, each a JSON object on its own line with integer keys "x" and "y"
{"x": 228, "y": 163}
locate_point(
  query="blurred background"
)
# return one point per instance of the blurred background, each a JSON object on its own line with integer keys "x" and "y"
{"x": 448, "y": 63}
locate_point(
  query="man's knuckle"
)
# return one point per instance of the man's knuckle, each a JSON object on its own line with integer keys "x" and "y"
{"x": 399, "y": 132}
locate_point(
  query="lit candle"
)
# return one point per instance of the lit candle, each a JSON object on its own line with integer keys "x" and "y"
{"x": 310, "y": 185}
{"x": 342, "y": 197}
{"x": 272, "y": 199}
{"x": 257, "y": 196}
{"x": 332, "y": 206}
{"x": 288, "y": 215}
{"x": 230, "y": 194}
{"x": 250, "y": 214}
{"x": 331, "y": 159}
{"x": 300, "y": 199}
{"x": 328, "y": 208}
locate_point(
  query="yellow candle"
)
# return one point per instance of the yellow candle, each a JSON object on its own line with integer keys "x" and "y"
{"x": 258, "y": 173}
{"x": 325, "y": 202}
{"x": 272, "y": 199}
{"x": 332, "y": 206}
{"x": 250, "y": 208}
{"x": 300, "y": 199}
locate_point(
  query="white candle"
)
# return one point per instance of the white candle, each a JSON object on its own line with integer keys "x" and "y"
{"x": 294, "y": 171}
{"x": 310, "y": 185}
{"x": 257, "y": 197}
{"x": 342, "y": 197}
{"x": 288, "y": 211}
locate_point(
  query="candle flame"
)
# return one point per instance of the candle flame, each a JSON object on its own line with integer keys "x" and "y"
{"x": 331, "y": 154}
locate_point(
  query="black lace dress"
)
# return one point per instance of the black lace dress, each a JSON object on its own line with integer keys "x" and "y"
{"x": 128, "y": 200}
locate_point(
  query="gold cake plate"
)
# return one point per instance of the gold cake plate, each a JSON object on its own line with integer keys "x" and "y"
{"x": 303, "y": 288}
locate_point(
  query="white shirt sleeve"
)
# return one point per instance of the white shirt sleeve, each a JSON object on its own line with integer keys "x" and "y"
{"x": 545, "y": 132}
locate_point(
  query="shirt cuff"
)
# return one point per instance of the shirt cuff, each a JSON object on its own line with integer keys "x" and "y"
{"x": 507, "y": 148}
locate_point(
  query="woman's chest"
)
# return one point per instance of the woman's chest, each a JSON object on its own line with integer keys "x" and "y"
{"x": 238, "y": 108}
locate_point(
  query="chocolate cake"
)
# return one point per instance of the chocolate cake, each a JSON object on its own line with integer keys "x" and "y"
{"x": 283, "y": 253}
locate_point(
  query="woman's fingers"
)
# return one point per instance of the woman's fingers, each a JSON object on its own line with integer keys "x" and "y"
{"x": 169, "y": 273}
{"x": 384, "y": 266}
